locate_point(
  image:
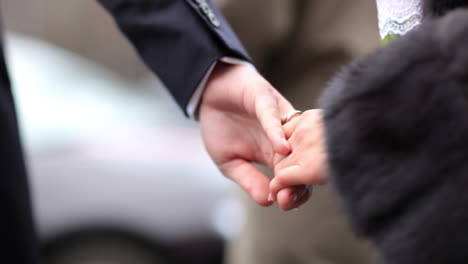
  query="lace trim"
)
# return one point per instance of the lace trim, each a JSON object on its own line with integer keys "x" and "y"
{"x": 398, "y": 17}
{"x": 392, "y": 27}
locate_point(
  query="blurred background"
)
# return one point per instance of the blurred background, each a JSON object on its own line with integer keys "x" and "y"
{"x": 100, "y": 198}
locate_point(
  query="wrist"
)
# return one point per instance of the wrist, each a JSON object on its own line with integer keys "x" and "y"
{"x": 225, "y": 85}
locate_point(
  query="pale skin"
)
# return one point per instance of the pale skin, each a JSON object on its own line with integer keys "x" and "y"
{"x": 306, "y": 165}
{"x": 240, "y": 118}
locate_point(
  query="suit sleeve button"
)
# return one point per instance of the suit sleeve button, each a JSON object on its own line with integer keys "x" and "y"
{"x": 213, "y": 19}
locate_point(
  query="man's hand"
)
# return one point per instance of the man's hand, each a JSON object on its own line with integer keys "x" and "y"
{"x": 306, "y": 165}
{"x": 240, "y": 117}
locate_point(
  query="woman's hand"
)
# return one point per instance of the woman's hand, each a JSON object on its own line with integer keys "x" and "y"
{"x": 305, "y": 166}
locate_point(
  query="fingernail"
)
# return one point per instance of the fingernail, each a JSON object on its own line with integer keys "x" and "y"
{"x": 270, "y": 198}
{"x": 297, "y": 197}
{"x": 294, "y": 200}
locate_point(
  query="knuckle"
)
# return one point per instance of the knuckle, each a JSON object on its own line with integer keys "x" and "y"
{"x": 317, "y": 176}
{"x": 321, "y": 180}
{"x": 262, "y": 86}
{"x": 267, "y": 87}
{"x": 318, "y": 179}
{"x": 281, "y": 178}
{"x": 248, "y": 188}
{"x": 277, "y": 158}
{"x": 262, "y": 202}
{"x": 273, "y": 187}
{"x": 273, "y": 128}
{"x": 301, "y": 133}
{"x": 322, "y": 177}
{"x": 277, "y": 171}
{"x": 314, "y": 115}
{"x": 308, "y": 113}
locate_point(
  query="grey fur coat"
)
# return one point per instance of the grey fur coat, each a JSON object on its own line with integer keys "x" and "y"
{"x": 396, "y": 127}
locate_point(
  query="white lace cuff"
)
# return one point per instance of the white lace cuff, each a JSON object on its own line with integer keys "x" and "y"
{"x": 398, "y": 17}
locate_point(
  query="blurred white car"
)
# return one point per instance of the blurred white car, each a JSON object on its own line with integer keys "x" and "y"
{"x": 118, "y": 175}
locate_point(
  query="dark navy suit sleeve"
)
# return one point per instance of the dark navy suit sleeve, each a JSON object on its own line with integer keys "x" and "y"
{"x": 178, "y": 39}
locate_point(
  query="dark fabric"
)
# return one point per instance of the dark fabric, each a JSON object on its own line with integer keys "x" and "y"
{"x": 440, "y": 7}
{"x": 397, "y": 139}
{"x": 16, "y": 225}
{"x": 176, "y": 40}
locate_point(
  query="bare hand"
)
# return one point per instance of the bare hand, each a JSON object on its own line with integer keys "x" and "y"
{"x": 240, "y": 117}
{"x": 305, "y": 166}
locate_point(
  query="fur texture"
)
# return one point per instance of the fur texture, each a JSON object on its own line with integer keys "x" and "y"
{"x": 441, "y": 7}
{"x": 397, "y": 139}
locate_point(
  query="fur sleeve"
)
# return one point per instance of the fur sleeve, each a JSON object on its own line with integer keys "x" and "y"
{"x": 397, "y": 139}
{"x": 437, "y": 8}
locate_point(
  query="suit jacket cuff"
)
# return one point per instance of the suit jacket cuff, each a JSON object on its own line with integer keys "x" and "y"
{"x": 194, "y": 102}
{"x": 177, "y": 39}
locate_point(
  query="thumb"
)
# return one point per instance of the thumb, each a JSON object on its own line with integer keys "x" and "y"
{"x": 251, "y": 179}
{"x": 268, "y": 113}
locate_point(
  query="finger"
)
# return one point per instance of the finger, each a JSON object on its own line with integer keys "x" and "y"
{"x": 290, "y": 126}
{"x": 285, "y": 106}
{"x": 297, "y": 175}
{"x": 267, "y": 111}
{"x": 302, "y": 199}
{"x": 252, "y": 180}
{"x": 286, "y": 196}
{"x": 277, "y": 158}
{"x": 293, "y": 197}
{"x": 313, "y": 116}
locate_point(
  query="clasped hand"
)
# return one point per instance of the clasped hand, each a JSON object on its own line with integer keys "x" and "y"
{"x": 304, "y": 166}
{"x": 240, "y": 118}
